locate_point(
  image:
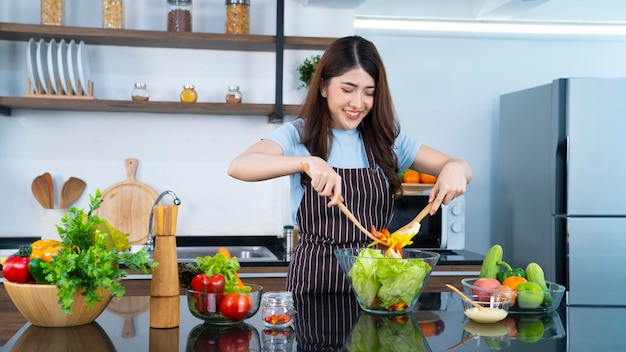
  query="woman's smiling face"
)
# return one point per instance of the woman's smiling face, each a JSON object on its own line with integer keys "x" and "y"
{"x": 350, "y": 98}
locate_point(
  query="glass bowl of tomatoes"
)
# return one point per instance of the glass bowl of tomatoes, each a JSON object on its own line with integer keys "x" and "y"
{"x": 240, "y": 337}
{"x": 226, "y": 308}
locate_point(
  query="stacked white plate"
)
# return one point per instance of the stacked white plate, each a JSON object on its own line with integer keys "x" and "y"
{"x": 60, "y": 64}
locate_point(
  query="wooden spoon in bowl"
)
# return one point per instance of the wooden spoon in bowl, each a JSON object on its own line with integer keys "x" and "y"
{"x": 478, "y": 306}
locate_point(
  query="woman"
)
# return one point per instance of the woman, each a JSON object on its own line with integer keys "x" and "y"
{"x": 348, "y": 135}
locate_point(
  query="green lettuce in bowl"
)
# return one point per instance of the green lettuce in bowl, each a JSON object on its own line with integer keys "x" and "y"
{"x": 386, "y": 285}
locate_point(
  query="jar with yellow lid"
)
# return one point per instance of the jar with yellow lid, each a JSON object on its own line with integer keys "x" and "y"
{"x": 237, "y": 16}
{"x": 188, "y": 95}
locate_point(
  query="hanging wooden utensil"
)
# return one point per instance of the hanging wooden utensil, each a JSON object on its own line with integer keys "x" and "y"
{"x": 50, "y": 183}
{"x": 71, "y": 191}
{"x": 41, "y": 192}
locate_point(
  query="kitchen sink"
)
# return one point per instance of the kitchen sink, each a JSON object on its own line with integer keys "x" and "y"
{"x": 243, "y": 253}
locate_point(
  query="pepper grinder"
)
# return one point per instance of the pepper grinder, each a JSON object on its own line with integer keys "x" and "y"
{"x": 164, "y": 288}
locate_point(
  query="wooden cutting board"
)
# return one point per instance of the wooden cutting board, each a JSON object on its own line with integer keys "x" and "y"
{"x": 127, "y": 205}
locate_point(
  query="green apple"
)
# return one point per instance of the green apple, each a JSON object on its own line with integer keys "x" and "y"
{"x": 529, "y": 295}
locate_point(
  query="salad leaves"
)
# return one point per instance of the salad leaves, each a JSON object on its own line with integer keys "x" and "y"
{"x": 389, "y": 282}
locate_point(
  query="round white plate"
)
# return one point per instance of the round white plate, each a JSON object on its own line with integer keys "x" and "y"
{"x": 84, "y": 70}
{"x": 52, "y": 65}
{"x": 31, "y": 64}
{"x": 42, "y": 64}
{"x": 62, "y": 69}
{"x": 72, "y": 66}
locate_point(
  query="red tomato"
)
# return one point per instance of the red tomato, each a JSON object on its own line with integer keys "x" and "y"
{"x": 235, "y": 306}
{"x": 233, "y": 341}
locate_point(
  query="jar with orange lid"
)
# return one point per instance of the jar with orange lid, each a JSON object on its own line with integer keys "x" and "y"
{"x": 188, "y": 95}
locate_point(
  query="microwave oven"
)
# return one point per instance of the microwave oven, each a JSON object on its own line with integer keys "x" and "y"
{"x": 444, "y": 231}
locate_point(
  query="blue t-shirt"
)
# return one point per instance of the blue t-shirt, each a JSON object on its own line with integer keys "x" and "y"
{"x": 347, "y": 152}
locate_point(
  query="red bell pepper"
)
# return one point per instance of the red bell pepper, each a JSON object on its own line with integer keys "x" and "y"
{"x": 15, "y": 269}
{"x": 214, "y": 286}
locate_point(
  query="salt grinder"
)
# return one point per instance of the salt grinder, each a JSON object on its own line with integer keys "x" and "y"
{"x": 164, "y": 288}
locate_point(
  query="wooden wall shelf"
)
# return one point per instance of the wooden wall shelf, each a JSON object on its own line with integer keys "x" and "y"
{"x": 163, "y": 39}
{"x": 167, "y": 107}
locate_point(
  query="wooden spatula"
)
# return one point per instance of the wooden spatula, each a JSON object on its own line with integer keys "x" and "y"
{"x": 41, "y": 192}
{"x": 422, "y": 214}
{"x": 350, "y": 216}
{"x": 71, "y": 191}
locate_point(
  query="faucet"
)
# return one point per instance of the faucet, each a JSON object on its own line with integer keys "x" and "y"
{"x": 150, "y": 241}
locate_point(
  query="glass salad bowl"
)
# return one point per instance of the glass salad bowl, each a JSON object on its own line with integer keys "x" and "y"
{"x": 386, "y": 285}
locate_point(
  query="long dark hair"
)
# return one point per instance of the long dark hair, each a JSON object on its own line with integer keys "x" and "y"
{"x": 378, "y": 129}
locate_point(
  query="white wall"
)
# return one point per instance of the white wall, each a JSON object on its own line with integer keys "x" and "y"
{"x": 188, "y": 154}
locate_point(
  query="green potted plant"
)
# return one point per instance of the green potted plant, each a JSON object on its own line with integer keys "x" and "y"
{"x": 306, "y": 70}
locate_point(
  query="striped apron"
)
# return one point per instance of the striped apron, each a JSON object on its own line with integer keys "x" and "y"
{"x": 314, "y": 268}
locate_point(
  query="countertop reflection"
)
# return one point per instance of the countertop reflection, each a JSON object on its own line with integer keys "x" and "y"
{"x": 335, "y": 323}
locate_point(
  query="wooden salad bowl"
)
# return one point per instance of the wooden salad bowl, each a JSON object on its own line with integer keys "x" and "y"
{"x": 40, "y": 305}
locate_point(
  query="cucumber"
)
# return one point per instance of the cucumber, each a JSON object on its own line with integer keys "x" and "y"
{"x": 490, "y": 266}
{"x": 534, "y": 273}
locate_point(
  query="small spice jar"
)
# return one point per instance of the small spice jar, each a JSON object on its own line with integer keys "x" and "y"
{"x": 277, "y": 309}
{"x": 179, "y": 15}
{"x": 188, "y": 95}
{"x": 52, "y": 12}
{"x": 140, "y": 93}
{"x": 237, "y": 16}
{"x": 233, "y": 95}
{"x": 113, "y": 14}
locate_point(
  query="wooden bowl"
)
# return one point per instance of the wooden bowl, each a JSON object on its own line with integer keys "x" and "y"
{"x": 40, "y": 305}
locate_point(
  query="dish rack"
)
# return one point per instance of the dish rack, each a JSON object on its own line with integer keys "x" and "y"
{"x": 38, "y": 93}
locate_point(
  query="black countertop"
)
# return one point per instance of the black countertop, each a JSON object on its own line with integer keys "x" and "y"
{"x": 335, "y": 323}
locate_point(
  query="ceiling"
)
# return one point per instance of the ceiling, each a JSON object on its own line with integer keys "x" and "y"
{"x": 586, "y": 11}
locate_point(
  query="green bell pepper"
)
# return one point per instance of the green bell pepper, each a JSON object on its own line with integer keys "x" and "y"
{"x": 36, "y": 270}
{"x": 508, "y": 271}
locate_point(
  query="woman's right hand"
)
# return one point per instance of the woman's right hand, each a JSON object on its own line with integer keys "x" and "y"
{"x": 325, "y": 180}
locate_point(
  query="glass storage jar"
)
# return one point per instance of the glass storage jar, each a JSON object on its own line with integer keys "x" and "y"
{"x": 179, "y": 15}
{"x": 277, "y": 309}
{"x": 113, "y": 14}
{"x": 237, "y": 16}
{"x": 52, "y": 12}
{"x": 188, "y": 95}
{"x": 140, "y": 93}
{"x": 233, "y": 95}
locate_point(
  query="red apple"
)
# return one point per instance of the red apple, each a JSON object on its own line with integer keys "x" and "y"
{"x": 485, "y": 285}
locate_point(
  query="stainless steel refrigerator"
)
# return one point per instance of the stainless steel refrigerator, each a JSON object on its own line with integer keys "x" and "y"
{"x": 561, "y": 185}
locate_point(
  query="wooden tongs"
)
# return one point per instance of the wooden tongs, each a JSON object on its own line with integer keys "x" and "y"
{"x": 350, "y": 216}
{"x": 382, "y": 245}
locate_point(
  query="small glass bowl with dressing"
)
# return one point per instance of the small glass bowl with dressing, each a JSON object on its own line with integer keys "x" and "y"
{"x": 494, "y": 309}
